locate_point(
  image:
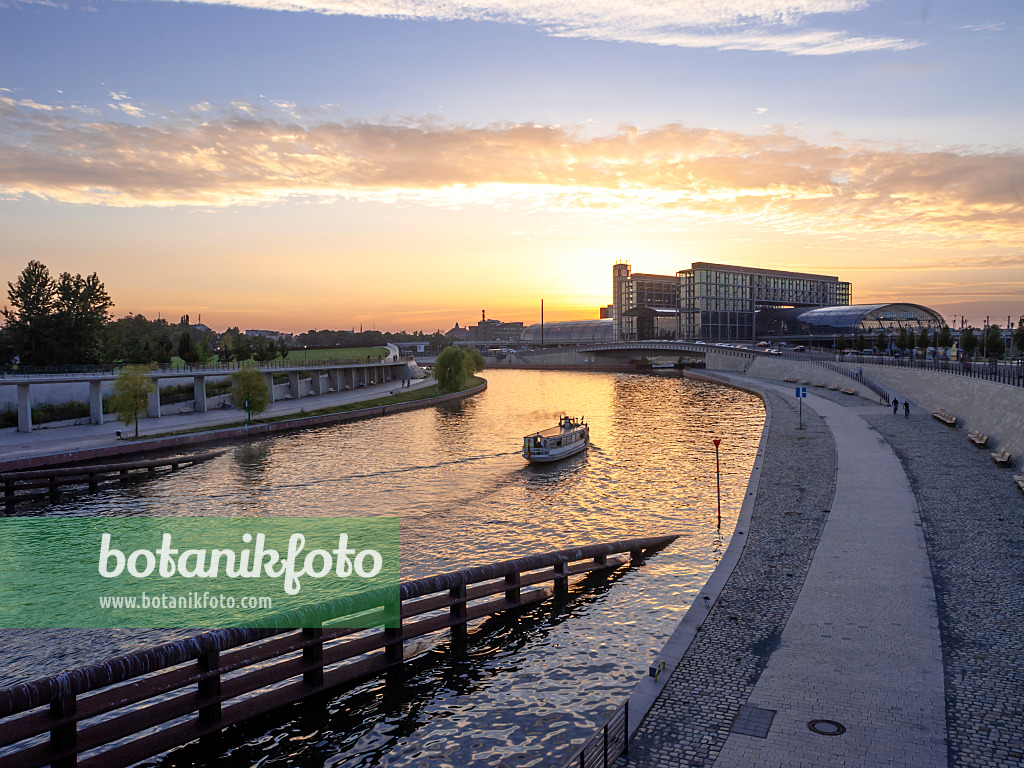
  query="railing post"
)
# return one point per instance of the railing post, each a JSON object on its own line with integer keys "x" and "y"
{"x": 636, "y": 557}
{"x": 209, "y": 689}
{"x": 64, "y": 737}
{"x": 513, "y": 583}
{"x": 394, "y": 648}
{"x": 313, "y": 656}
{"x": 458, "y": 611}
{"x": 561, "y": 570}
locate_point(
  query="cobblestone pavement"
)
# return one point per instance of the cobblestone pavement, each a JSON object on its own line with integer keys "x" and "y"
{"x": 691, "y": 720}
{"x": 973, "y": 518}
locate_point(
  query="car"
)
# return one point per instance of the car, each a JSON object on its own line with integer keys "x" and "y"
{"x": 701, "y": 342}
{"x": 774, "y": 351}
{"x": 764, "y": 343}
{"x": 800, "y": 348}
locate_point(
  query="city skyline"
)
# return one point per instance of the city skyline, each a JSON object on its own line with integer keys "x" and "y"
{"x": 403, "y": 165}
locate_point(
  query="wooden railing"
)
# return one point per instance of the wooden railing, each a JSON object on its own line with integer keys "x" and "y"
{"x": 26, "y": 484}
{"x": 132, "y": 707}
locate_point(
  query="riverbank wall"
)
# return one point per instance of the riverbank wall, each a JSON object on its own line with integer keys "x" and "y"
{"x": 172, "y": 442}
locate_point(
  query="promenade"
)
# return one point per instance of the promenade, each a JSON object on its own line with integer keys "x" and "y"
{"x": 878, "y": 599}
{"x": 49, "y": 440}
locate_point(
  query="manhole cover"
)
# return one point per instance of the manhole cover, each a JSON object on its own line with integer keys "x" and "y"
{"x": 753, "y": 721}
{"x": 827, "y": 727}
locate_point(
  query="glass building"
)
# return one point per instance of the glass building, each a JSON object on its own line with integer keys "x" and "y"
{"x": 849, "y": 321}
{"x": 715, "y": 302}
{"x": 570, "y": 332}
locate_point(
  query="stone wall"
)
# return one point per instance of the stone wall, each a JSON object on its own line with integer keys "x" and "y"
{"x": 995, "y": 409}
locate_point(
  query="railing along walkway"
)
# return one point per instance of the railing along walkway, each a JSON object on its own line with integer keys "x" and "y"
{"x": 132, "y": 707}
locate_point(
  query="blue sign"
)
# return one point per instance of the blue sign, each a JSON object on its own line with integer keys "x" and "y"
{"x": 801, "y": 391}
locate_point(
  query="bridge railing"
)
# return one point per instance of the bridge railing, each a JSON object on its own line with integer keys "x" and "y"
{"x": 21, "y": 371}
{"x": 132, "y": 707}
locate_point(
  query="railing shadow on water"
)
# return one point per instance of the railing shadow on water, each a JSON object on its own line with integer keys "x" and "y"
{"x": 133, "y": 707}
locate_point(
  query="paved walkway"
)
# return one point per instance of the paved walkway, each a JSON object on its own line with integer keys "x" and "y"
{"x": 43, "y": 441}
{"x": 858, "y": 643}
{"x": 862, "y": 645}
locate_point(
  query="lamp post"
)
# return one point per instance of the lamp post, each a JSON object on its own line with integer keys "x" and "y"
{"x": 718, "y": 478}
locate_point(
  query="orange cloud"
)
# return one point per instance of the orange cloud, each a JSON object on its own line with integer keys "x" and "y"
{"x": 673, "y": 173}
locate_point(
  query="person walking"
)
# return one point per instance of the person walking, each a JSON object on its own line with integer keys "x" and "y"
{"x": 906, "y": 409}
{"x": 895, "y": 406}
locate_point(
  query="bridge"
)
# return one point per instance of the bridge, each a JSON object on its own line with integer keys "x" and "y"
{"x": 304, "y": 379}
{"x": 626, "y": 351}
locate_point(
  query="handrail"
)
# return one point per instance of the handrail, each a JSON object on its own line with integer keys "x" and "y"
{"x": 108, "y": 710}
{"x": 607, "y": 745}
{"x": 23, "y": 371}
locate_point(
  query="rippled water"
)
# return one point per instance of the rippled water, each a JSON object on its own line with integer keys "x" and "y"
{"x": 527, "y": 686}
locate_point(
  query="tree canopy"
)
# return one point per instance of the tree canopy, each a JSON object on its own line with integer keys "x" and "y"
{"x": 249, "y": 391}
{"x": 132, "y": 388}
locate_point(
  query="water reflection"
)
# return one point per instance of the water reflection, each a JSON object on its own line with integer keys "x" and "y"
{"x": 465, "y": 497}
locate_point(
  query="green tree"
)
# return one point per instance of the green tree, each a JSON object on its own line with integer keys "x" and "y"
{"x": 860, "y": 343}
{"x": 249, "y": 391}
{"x": 945, "y": 337}
{"x": 263, "y": 349}
{"x": 451, "y": 369}
{"x": 994, "y": 346}
{"x": 81, "y": 313}
{"x": 841, "y": 343}
{"x": 968, "y": 341}
{"x": 282, "y": 348}
{"x": 438, "y": 342}
{"x": 164, "y": 351}
{"x": 902, "y": 343}
{"x": 187, "y": 349}
{"x": 29, "y": 314}
{"x": 924, "y": 339}
{"x": 882, "y": 342}
{"x": 1018, "y": 337}
{"x": 475, "y": 362}
{"x": 132, "y": 388}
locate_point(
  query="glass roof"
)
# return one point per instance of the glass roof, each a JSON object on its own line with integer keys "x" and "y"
{"x": 572, "y": 332}
{"x": 853, "y": 315}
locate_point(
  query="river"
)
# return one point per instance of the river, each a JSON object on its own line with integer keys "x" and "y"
{"x": 528, "y": 686}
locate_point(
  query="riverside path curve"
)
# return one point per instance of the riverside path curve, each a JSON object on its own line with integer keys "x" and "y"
{"x": 824, "y": 646}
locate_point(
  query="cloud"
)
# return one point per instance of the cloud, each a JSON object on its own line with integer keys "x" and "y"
{"x": 755, "y": 25}
{"x": 683, "y": 176}
{"x": 122, "y": 102}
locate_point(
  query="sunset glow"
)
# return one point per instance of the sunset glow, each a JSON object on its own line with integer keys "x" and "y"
{"x": 404, "y": 165}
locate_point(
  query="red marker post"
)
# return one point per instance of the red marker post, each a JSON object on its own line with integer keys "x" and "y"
{"x": 718, "y": 477}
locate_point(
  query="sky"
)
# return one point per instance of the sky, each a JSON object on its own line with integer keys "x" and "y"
{"x": 407, "y": 164}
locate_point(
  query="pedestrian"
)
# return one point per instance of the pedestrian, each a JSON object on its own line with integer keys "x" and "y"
{"x": 906, "y": 409}
{"x": 895, "y": 406}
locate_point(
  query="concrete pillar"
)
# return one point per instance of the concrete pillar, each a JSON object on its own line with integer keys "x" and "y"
{"x": 293, "y": 384}
{"x": 350, "y": 377}
{"x": 154, "y": 400}
{"x": 334, "y": 379}
{"x": 316, "y": 382}
{"x": 199, "y": 393}
{"x": 24, "y": 407}
{"x": 268, "y": 378}
{"x": 95, "y": 402}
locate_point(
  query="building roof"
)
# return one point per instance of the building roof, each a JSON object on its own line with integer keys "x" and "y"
{"x": 854, "y": 315}
{"x": 572, "y": 332}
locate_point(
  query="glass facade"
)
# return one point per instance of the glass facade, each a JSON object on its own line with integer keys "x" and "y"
{"x": 713, "y": 301}
{"x": 571, "y": 332}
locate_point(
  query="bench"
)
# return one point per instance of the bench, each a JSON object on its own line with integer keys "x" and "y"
{"x": 790, "y": 379}
{"x": 1002, "y": 458}
{"x": 819, "y": 383}
{"x": 978, "y": 439}
{"x": 1019, "y": 480}
{"x": 945, "y": 418}
{"x": 804, "y": 381}
{"x": 849, "y": 391}
{"x": 834, "y": 387}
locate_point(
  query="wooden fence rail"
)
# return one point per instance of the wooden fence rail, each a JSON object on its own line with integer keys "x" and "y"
{"x": 132, "y": 707}
{"x": 28, "y": 484}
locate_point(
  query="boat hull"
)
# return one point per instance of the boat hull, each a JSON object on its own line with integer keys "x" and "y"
{"x": 556, "y": 454}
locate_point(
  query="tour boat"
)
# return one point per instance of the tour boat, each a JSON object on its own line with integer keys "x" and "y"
{"x": 567, "y": 439}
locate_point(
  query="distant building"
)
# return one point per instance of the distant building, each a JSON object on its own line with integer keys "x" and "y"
{"x": 607, "y": 313}
{"x": 458, "y": 334}
{"x": 712, "y": 301}
{"x": 275, "y": 335}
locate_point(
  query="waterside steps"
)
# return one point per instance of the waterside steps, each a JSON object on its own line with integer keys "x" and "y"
{"x": 133, "y": 707}
{"x": 38, "y": 483}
